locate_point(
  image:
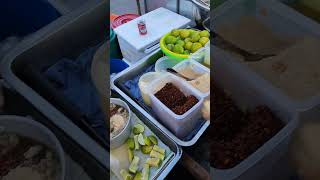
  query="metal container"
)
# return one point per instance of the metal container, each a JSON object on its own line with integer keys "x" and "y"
{"x": 133, "y": 71}
{"x": 66, "y": 37}
{"x": 159, "y": 133}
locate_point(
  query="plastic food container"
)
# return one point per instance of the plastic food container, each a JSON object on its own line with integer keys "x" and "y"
{"x": 196, "y": 67}
{"x": 163, "y": 63}
{"x": 282, "y": 20}
{"x": 144, "y": 81}
{"x": 120, "y": 138}
{"x": 134, "y": 46}
{"x": 180, "y": 125}
{"x": 30, "y": 128}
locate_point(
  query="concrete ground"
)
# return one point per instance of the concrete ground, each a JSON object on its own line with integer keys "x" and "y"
{"x": 125, "y": 6}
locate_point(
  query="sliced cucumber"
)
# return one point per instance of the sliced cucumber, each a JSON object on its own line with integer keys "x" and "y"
{"x": 125, "y": 175}
{"x": 141, "y": 139}
{"x": 145, "y": 172}
{"x": 154, "y": 162}
{"x": 153, "y": 139}
{"x": 138, "y": 128}
{"x": 146, "y": 149}
{"x": 136, "y": 143}
{"x": 159, "y": 149}
{"x": 134, "y": 164}
{"x": 130, "y": 155}
{"x": 156, "y": 154}
{"x": 130, "y": 143}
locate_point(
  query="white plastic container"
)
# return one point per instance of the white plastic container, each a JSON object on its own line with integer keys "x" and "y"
{"x": 180, "y": 125}
{"x": 163, "y": 63}
{"x": 31, "y": 129}
{"x": 158, "y": 22}
{"x": 144, "y": 81}
{"x": 196, "y": 67}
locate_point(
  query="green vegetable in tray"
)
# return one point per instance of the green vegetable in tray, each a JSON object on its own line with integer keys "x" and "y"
{"x": 153, "y": 139}
{"x": 134, "y": 164}
{"x": 159, "y": 149}
{"x": 130, "y": 143}
{"x": 125, "y": 175}
{"x": 154, "y": 162}
{"x": 138, "y": 128}
{"x": 130, "y": 155}
{"x": 147, "y": 141}
{"x": 156, "y": 154}
{"x": 138, "y": 176}
{"x": 136, "y": 143}
{"x": 141, "y": 139}
{"x": 146, "y": 149}
{"x": 145, "y": 172}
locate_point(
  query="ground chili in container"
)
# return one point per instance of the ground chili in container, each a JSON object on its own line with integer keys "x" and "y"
{"x": 175, "y": 100}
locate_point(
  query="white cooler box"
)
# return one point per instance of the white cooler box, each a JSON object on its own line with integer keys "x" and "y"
{"x": 158, "y": 22}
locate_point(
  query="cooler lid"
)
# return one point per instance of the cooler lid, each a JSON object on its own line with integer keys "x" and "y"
{"x": 158, "y": 23}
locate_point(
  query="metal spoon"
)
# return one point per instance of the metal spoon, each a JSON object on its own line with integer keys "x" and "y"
{"x": 248, "y": 56}
{"x": 178, "y": 74}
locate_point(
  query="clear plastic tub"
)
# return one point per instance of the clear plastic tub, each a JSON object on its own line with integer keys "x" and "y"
{"x": 282, "y": 20}
{"x": 180, "y": 125}
{"x": 247, "y": 94}
{"x": 196, "y": 67}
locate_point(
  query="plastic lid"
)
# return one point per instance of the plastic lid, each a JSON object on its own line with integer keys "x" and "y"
{"x": 123, "y": 19}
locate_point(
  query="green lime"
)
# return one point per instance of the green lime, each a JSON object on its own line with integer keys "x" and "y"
{"x": 147, "y": 141}
{"x": 205, "y": 33}
{"x": 187, "y": 52}
{"x": 188, "y": 45}
{"x": 130, "y": 143}
{"x": 170, "y": 46}
{"x": 184, "y": 33}
{"x": 187, "y": 40}
{"x": 180, "y": 42}
{"x": 141, "y": 139}
{"x": 153, "y": 139}
{"x": 138, "y": 176}
{"x": 175, "y": 32}
{"x": 178, "y": 49}
{"x": 195, "y": 47}
{"x": 138, "y": 128}
{"x": 203, "y": 40}
{"x": 146, "y": 149}
{"x": 170, "y": 40}
{"x": 195, "y": 37}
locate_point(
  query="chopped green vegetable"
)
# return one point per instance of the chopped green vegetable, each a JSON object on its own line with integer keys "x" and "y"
{"x": 145, "y": 172}
{"x": 154, "y": 162}
{"x": 147, "y": 141}
{"x": 134, "y": 164}
{"x": 138, "y": 176}
{"x": 136, "y": 143}
{"x": 130, "y": 155}
{"x": 146, "y": 149}
{"x": 138, "y": 128}
{"x": 141, "y": 139}
{"x": 159, "y": 149}
{"x": 125, "y": 175}
{"x": 156, "y": 154}
{"x": 130, "y": 143}
{"x": 153, "y": 139}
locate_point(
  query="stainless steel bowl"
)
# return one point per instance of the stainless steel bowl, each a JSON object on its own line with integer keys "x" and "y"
{"x": 120, "y": 138}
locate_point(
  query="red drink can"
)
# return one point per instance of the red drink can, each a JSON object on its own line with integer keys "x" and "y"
{"x": 142, "y": 27}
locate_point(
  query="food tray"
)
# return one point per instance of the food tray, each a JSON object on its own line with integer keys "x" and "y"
{"x": 173, "y": 151}
{"x": 44, "y": 48}
{"x": 131, "y": 73}
{"x": 282, "y": 20}
{"x": 247, "y": 94}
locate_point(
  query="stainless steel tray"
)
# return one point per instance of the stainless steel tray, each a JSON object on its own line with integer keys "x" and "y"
{"x": 161, "y": 135}
{"x": 132, "y": 72}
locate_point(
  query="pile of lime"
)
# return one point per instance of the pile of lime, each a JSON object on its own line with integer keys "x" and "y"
{"x": 186, "y": 41}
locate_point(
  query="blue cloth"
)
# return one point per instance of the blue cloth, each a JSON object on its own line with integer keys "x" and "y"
{"x": 73, "y": 79}
{"x": 21, "y": 17}
{"x": 133, "y": 88}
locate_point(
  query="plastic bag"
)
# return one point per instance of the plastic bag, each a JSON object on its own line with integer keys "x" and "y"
{"x": 202, "y": 55}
